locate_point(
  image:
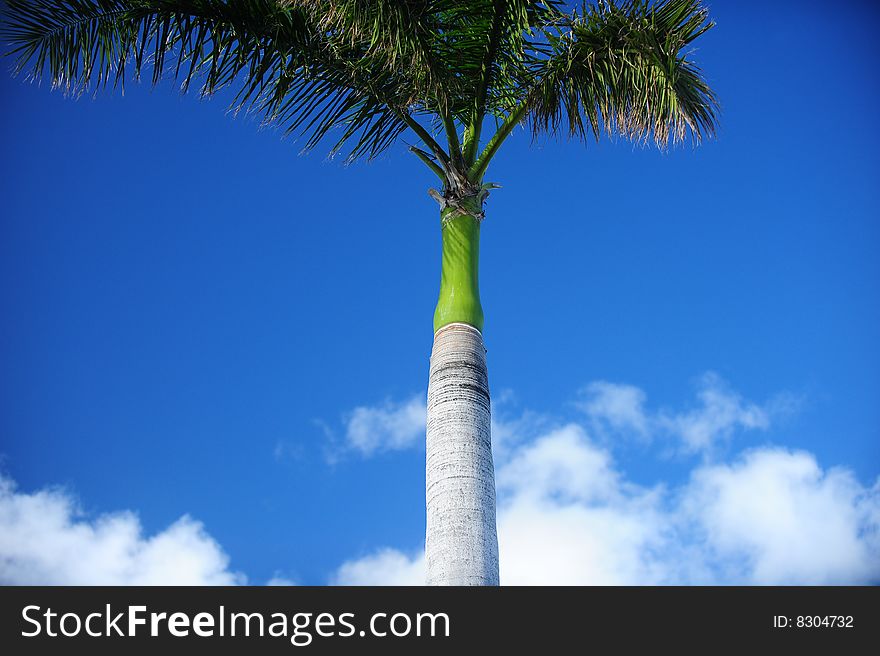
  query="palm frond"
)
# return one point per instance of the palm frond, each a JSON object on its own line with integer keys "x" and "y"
{"x": 284, "y": 66}
{"x": 363, "y": 71}
{"x": 506, "y": 44}
{"x": 623, "y": 67}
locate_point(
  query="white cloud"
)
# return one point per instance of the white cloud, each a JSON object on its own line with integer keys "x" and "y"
{"x": 568, "y": 515}
{"x": 46, "y": 540}
{"x": 772, "y": 516}
{"x": 621, "y": 406}
{"x": 287, "y": 450}
{"x": 508, "y": 432}
{"x": 385, "y": 567}
{"x": 775, "y": 517}
{"x": 620, "y": 409}
{"x": 558, "y": 466}
{"x": 390, "y": 426}
{"x": 721, "y": 411}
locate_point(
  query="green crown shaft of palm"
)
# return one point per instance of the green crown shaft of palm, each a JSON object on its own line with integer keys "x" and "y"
{"x": 365, "y": 71}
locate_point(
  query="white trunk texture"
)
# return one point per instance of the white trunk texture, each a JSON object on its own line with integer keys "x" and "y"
{"x": 461, "y": 543}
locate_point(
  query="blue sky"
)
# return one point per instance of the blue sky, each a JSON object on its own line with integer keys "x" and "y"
{"x": 198, "y": 321}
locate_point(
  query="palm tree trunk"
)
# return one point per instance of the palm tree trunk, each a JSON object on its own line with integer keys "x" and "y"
{"x": 461, "y": 542}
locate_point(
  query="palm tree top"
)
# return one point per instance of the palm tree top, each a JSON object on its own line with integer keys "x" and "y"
{"x": 365, "y": 71}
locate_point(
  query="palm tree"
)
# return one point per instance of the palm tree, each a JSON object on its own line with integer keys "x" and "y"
{"x": 364, "y": 72}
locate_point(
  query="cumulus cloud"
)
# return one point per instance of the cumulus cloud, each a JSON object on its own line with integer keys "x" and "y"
{"x": 567, "y": 511}
{"x": 509, "y": 431}
{"x": 385, "y": 567}
{"x": 622, "y": 407}
{"x": 775, "y": 517}
{"x": 45, "y": 539}
{"x": 719, "y": 412}
{"x": 772, "y": 516}
{"x": 557, "y": 466}
{"x": 568, "y": 514}
{"x": 389, "y": 426}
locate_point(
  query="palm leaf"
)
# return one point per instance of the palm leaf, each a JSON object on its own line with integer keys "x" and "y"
{"x": 622, "y": 67}
{"x": 364, "y": 71}
{"x": 282, "y": 64}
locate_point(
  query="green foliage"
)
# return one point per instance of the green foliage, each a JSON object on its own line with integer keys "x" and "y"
{"x": 364, "y": 71}
{"x": 622, "y": 67}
